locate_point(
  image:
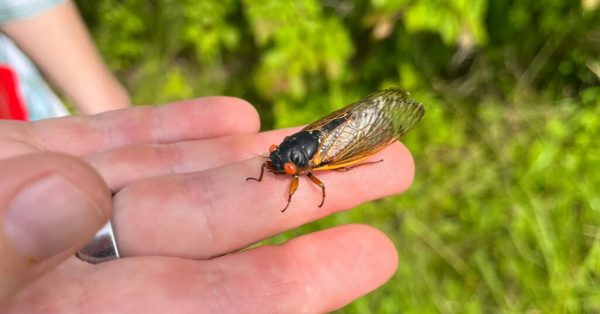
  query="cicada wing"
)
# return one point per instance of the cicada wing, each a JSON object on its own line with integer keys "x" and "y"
{"x": 366, "y": 126}
{"x": 330, "y": 122}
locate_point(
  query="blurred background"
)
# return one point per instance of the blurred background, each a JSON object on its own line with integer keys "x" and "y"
{"x": 504, "y": 214}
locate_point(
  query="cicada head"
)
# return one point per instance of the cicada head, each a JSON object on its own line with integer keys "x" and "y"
{"x": 287, "y": 160}
{"x": 294, "y": 153}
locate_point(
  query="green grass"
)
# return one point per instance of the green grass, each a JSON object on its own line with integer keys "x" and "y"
{"x": 503, "y": 215}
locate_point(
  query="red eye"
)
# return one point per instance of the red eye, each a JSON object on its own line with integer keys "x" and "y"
{"x": 290, "y": 168}
{"x": 272, "y": 148}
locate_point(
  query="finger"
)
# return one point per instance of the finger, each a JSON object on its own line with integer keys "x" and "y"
{"x": 187, "y": 120}
{"x": 213, "y": 212}
{"x": 50, "y": 205}
{"x": 315, "y": 273}
{"x": 124, "y": 165}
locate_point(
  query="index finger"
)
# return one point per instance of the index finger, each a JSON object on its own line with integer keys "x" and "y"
{"x": 186, "y": 120}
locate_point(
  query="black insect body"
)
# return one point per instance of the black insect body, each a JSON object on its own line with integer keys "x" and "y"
{"x": 345, "y": 138}
{"x": 298, "y": 149}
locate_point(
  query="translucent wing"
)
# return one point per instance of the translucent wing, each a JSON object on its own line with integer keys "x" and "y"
{"x": 359, "y": 130}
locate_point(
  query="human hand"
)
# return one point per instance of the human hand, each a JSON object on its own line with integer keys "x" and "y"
{"x": 180, "y": 203}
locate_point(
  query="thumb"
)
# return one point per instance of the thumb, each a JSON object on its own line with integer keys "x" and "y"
{"x": 50, "y": 206}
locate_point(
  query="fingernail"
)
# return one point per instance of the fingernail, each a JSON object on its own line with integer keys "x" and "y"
{"x": 49, "y": 216}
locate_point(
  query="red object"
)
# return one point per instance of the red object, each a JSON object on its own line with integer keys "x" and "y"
{"x": 12, "y": 106}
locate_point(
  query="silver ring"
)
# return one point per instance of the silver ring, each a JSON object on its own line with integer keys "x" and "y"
{"x": 102, "y": 248}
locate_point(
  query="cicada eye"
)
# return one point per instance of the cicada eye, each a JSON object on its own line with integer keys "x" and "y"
{"x": 272, "y": 148}
{"x": 290, "y": 168}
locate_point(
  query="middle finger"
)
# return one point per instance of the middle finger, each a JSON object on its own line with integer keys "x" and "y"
{"x": 212, "y": 212}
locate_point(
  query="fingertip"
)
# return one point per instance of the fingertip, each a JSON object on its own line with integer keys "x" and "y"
{"x": 366, "y": 255}
{"x": 203, "y": 118}
{"x": 342, "y": 263}
{"x": 383, "y": 250}
{"x": 394, "y": 175}
{"x": 371, "y": 260}
{"x": 371, "y": 247}
{"x": 238, "y": 115}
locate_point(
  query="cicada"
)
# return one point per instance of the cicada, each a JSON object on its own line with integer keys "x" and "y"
{"x": 344, "y": 139}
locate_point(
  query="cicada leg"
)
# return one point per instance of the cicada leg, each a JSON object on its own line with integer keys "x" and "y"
{"x": 293, "y": 188}
{"x": 358, "y": 165}
{"x": 262, "y": 171}
{"x": 320, "y": 184}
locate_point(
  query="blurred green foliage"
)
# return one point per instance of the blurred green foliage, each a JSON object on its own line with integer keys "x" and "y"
{"x": 504, "y": 214}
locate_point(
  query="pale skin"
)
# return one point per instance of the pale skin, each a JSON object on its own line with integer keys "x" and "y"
{"x": 57, "y": 41}
{"x": 180, "y": 203}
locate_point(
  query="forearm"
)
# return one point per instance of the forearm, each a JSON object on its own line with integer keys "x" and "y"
{"x": 58, "y": 42}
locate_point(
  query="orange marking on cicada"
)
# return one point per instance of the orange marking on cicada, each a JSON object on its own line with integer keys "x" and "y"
{"x": 290, "y": 168}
